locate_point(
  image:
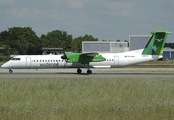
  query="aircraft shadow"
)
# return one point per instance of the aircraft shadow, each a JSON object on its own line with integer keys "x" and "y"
{"x": 69, "y": 73}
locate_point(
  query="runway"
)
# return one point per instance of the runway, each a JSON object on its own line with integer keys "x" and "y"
{"x": 97, "y": 73}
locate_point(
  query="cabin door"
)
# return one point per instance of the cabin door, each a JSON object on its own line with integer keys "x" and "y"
{"x": 28, "y": 61}
{"x": 116, "y": 60}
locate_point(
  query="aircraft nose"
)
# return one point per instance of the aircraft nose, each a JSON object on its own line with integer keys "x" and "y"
{"x": 5, "y": 65}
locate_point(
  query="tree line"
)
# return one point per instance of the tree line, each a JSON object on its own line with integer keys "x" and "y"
{"x": 23, "y": 40}
{"x": 18, "y": 40}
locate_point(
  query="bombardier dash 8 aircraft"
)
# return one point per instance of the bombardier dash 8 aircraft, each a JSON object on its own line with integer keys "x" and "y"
{"x": 152, "y": 51}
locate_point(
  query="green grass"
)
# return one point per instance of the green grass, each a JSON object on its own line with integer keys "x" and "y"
{"x": 87, "y": 99}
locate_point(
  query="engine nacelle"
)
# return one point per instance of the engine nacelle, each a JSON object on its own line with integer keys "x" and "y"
{"x": 84, "y": 59}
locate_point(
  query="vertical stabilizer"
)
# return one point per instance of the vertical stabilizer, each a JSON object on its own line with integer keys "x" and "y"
{"x": 156, "y": 43}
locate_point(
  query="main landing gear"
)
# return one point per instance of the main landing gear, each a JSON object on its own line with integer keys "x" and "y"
{"x": 89, "y": 71}
{"x": 10, "y": 71}
{"x": 79, "y": 71}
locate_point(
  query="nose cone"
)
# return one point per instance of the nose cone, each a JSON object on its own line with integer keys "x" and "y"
{"x": 5, "y": 65}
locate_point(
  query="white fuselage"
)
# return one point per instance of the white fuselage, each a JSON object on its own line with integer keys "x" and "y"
{"x": 113, "y": 60}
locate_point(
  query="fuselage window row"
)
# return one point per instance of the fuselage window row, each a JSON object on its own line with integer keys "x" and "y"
{"x": 109, "y": 59}
{"x": 47, "y": 60}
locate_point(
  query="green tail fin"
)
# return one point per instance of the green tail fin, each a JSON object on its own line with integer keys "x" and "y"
{"x": 156, "y": 43}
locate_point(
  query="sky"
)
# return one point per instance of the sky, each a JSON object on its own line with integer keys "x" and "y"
{"x": 103, "y": 19}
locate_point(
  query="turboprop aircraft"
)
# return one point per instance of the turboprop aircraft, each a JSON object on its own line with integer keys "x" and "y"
{"x": 152, "y": 51}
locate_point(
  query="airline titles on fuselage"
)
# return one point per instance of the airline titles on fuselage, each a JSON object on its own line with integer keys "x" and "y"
{"x": 49, "y": 64}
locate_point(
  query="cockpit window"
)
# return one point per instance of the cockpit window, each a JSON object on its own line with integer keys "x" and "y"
{"x": 16, "y": 59}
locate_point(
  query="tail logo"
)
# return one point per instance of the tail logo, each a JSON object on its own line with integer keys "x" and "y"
{"x": 154, "y": 48}
{"x": 159, "y": 40}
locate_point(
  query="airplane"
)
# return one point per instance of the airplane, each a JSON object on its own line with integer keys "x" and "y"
{"x": 152, "y": 51}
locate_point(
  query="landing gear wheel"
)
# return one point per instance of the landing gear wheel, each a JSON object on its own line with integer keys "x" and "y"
{"x": 10, "y": 71}
{"x": 79, "y": 71}
{"x": 89, "y": 71}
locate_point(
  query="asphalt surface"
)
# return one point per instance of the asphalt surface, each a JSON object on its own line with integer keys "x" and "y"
{"x": 97, "y": 73}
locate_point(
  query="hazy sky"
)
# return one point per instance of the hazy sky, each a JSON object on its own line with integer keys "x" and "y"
{"x": 103, "y": 19}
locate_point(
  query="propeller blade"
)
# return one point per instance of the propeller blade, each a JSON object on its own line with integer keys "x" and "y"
{"x": 64, "y": 56}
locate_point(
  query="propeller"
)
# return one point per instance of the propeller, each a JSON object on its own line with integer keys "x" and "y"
{"x": 64, "y": 57}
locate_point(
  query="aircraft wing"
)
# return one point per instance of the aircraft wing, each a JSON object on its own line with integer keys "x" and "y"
{"x": 90, "y": 54}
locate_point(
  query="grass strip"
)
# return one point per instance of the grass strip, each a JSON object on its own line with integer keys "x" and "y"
{"x": 88, "y": 98}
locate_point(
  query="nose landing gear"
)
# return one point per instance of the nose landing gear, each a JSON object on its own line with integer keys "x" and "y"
{"x": 10, "y": 71}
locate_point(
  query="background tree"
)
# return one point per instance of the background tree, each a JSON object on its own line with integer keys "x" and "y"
{"x": 170, "y": 45}
{"x": 21, "y": 40}
{"x": 127, "y": 42}
{"x": 118, "y": 40}
{"x": 57, "y": 39}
